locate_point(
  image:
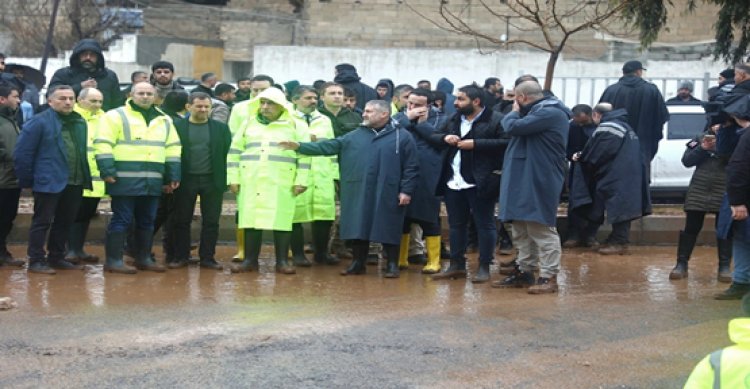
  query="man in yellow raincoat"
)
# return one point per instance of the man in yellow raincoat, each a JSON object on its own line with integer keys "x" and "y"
{"x": 89, "y": 106}
{"x": 317, "y": 205}
{"x": 267, "y": 178}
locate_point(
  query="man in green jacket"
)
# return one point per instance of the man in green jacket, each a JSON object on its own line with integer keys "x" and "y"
{"x": 9, "y": 190}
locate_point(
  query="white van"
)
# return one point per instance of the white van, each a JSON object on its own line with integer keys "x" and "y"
{"x": 669, "y": 178}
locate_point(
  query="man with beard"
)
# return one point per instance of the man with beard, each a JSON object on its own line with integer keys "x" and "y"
{"x": 243, "y": 89}
{"x": 162, "y": 74}
{"x": 474, "y": 144}
{"x": 87, "y": 70}
{"x": 379, "y": 174}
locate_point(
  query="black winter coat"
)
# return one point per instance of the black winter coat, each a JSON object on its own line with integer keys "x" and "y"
{"x": 708, "y": 184}
{"x": 106, "y": 80}
{"x": 646, "y": 110}
{"x": 364, "y": 93}
{"x": 481, "y": 166}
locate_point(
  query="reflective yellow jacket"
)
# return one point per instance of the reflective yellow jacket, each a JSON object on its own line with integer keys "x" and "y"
{"x": 142, "y": 157}
{"x": 92, "y": 123}
{"x": 727, "y": 368}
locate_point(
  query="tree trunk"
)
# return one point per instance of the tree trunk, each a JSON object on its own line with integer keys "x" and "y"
{"x": 550, "y": 73}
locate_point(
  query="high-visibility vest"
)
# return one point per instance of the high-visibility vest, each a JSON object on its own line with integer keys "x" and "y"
{"x": 142, "y": 157}
{"x": 728, "y": 368}
{"x": 93, "y": 121}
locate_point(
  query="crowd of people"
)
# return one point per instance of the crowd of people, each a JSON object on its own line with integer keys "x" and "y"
{"x": 498, "y": 157}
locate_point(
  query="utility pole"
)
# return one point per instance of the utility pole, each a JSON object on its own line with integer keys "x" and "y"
{"x": 50, "y": 33}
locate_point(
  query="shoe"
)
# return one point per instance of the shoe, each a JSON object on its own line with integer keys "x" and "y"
{"x": 433, "y": 255}
{"x": 724, "y": 248}
{"x": 724, "y": 275}
{"x": 613, "y": 249}
{"x": 544, "y": 285}
{"x": 680, "y": 271}
{"x": 357, "y": 267}
{"x": 211, "y": 264}
{"x": 392, "y": 269}
{"x": 246, "y": 266}
{"x": 570, "y": 243}
{"x": 417, "y": 259}
{"x": 62, "y": 264}
{"x": 482, "y": 275}
{"x": 372, "y": 259}
{"x": 519, "y": 279}
{"x": 735, "y": 292}
{"x": 6, "y": 259}
{"x": 113, "y": 249}
{"x": 326, "y": 260}
{"x": 591, "y": 243}
{"x": 178, "y": 264}
{"x": 455, "y": 270}
{"x": 40, "y": 267}
{"x": 344, "y": 253}
{"x": 301, "y": 261}
{"x": 150, "y": 265}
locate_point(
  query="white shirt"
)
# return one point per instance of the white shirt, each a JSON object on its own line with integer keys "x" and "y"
{"x": 457, "y": 182}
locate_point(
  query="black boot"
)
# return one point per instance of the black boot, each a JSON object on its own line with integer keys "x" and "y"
{"x": 735, "y": 292}
{"x": 76, "y": 241}
{"x": 113, "y": 248}
{"x": 391, "y": 268}
{"x": 724, "y": 248}
{"x": 684, "y": 249}
{"x": 281, "y": 248}
{"x": 359, "y": 259}
{"x": 144, "y": 240}
{"x": 297, "y": 242}
{"x": 456, "y": 269}
{"x": 483, "y": 273}
{"x": 253, "y": 241}
{"x": 321, "y": 233}
{"x": 40, "y": 266}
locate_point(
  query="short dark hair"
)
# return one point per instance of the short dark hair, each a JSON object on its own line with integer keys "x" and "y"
{"x": 324, "y": 87}
{"x": 2, "y": 56}
{"x": 348, "y": 92}
{"x": 56, "y": 88}
{"x": 318, "y": 84}
{"x": 397, "y": 91}
{"x": 490, "y": 81}
{"x": 198, "y": 96}
{"x": 135, "y": 74}
{"x": 582, "y": 109}
{"x": 175, "y": 101}
{"x": 162, "y": 65}
{"x": 422, "y": 92}
{"x": 223, "y": 88}
{"x": 239, "y": 80}
{"x": 439, "y": 95}
{"x": 302, "y": 89}
{"x": 6, "y": 89}
{"x": 474, "y": 92}
{"x": 263, "y": 77}
{"x": 206, "y": 76}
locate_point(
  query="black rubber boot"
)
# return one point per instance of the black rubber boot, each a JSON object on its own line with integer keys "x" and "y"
{"x": 253, "y": 241}
{"x": 724, "y": 248}
{"x": 359, "y": 259}
{"x": 144, "y": 239}
{"x": 456, "y": 269}
{"x": 297, "y": 243}
{"x": 281, "y": 248}
{"x": 391, "y": 267}
{"x": 321, "y": 235}
{"x": 113, "y": 248}
{"x": 483, "y": 273}
{"x": 735, "y": 292}
{"x": 684, "y": 249}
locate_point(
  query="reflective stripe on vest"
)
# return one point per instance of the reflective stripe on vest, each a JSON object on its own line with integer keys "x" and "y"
{"x": 139, "y": 174}
{"x": 715, "y": 360}
{"x": 276, "y": 158}
{"x": 125, "y": 124}
{"x": 128, "y": 140}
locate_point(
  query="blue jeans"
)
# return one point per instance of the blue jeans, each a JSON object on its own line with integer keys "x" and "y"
{"x": 741, "y": 254}
{"x": 462, "y": 204}
{"x": 125, "y": 208}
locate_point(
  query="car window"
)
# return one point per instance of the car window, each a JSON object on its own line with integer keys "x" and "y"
{"x": 685, "y": 125}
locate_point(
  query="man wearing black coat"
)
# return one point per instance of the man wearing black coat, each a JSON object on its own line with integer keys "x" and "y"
{"x": 346, "y": 75}
{"x": 87, "y": 70}
{"x": 205, "y": 144}
{"x": 474, "y": 145}
{"x": 612, "y": 179}
{"x": 645, "y": 105}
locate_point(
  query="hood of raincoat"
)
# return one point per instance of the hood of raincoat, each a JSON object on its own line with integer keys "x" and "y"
{"x": 83, "y": 45}
{"x": 275, "y": 95}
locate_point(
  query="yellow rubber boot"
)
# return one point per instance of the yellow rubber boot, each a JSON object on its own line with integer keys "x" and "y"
{"x": 240, "y": 256}
{"x": 403, "y": 254}
{"x": 433, "y": 255}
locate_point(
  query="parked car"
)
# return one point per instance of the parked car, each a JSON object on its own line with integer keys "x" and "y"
{"x": 669, "y": 178}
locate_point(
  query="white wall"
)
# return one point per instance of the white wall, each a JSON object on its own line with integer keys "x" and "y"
{"x": 462, "y": 67}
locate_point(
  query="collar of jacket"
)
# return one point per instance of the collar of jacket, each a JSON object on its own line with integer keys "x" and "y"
{"x": 8, "y": 113}
{"x": 86, "y": 114}
{"x": 484, "y": 116}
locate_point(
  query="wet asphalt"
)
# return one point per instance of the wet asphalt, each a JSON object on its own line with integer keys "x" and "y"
{"x": 617, "y": 322}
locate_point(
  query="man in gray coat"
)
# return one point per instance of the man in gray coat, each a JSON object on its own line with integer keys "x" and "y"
{"x": 533, "y": 175}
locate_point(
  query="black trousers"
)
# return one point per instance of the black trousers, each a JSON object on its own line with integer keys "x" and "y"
{"x": 694, "y": 221}
{"x": 428, "y": 229}
{"x": 185, "y": 197}
{"x": 87, "y": 209}
{"x": 620, "y": 233}
{"x": 54, "y": 213}
{"x": 8, "y": 212}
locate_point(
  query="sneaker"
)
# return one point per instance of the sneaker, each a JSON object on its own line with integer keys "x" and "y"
{"x": 613, "y": 249}
{"x": 519, "y": 279}
{"x": 544, "y": 285}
